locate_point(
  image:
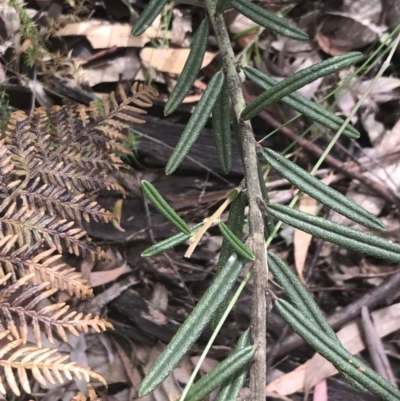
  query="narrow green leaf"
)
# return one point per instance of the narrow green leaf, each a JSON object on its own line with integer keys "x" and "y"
{"x": 235, "y": 223}
{"x": 297, "y": 81}
{"x": 222, "y": 5}
{"x": 162, "y": 206}
{"x": 343, "y": 361}
{"x": 301, "y": 104}
{"x": 237, "y": 135}
{"x": 336, "y": 233}
{"x": 169, "y": 243}
{"x": 191, "y": 68}
{"x": 320, "y": 191}
{"x": 298, "y": 295}
{"x": 197, "y": 122}
{"x": 268, "y": 20}
{"x": 231, "y": 388}
{"x": 148, "y": 15}
{"x": 240, "y": 248}
{"x": 268, "y": 221}
{"x": 221, "y": 128}
{"x": 220, "y": 374}
{"x": 193, "y": 326}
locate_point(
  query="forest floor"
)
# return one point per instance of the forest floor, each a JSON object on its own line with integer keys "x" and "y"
{"x": 82, "y": 49}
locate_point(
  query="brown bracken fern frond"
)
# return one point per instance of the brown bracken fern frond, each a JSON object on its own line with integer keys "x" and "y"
{"x": 49, "y": 160}
{"x": 45, "y": 365}
{"x": 45, "y": 266}
{"x": 19, "y": 308}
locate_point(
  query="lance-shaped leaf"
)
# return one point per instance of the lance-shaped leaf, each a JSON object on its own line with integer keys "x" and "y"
{"x": 297, "y": 293}
{"x": 191, "y": 68}
{"x": 235, "y": 223}
{"x": 196, "y": 123}
{"x": 222, "y": 5}
{"x": 268, "y": 20}
{"x": 220, "y": 374}
{"x": 237, "y": 245}
{"x": 336, "y": 233}
{"x": 221, "y": 128}
{"x": 297, "y": 81}
{"x": 231, "y": 388}
{"x": 301, "y": 104}
{"x": 238, "y": 138}
{"x": 268, "y": 221}
{"x": 318, "y": 190}
{"x": 162, "y": 206}
{"x": 301, "y": 299}
{"x": 193, "y": 326}
{"x": 148, "y": 15}
{"x": 343, "y": 360}
{"x": 169, "y": 243}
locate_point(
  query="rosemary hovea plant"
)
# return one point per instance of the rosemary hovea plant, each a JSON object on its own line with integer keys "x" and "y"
{"x": 301, "y": 312}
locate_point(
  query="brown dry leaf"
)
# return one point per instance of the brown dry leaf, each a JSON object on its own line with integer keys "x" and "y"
{"x": 170, "y": 60}
{"x": 126, "y": 67}
{"x": 384, "y": 170}
{"x": 102, "y": 35}
{"x": 307, "y": 375}
{"x": 321, "y": 391}
{"x": 339, "y": 34}
{"x": 181, "y": 27}
{"x": 302, "y": 240}
{"x": 132, "y": 372}
{"x": 207, "y": 365}
{"x": 107, "y": 276}
{"x": 102, "y": 358}
{"x": 91, "y": 393}
{"x": 96, "y": 304}
{"x": 79, "y": 397}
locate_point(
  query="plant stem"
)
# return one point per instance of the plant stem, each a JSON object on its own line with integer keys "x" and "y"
{"x": 256, "y": 222}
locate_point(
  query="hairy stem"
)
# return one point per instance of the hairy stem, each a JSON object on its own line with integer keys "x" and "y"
{"x": 256, "y": 223}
